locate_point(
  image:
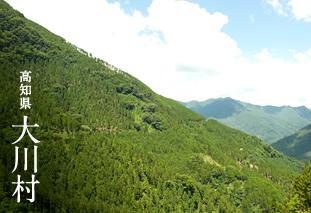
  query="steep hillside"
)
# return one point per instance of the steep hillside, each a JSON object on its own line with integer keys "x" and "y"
{"x": 269, "y": 123}
{"x": 297, "y": 145}
{"x": 110, "y": 144}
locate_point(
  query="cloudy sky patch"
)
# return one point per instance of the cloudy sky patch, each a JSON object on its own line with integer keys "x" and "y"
{"x": 194, "y": 50}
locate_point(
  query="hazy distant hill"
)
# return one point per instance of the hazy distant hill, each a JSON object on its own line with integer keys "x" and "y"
{"x": 270, "y": 123}
{"x": 297, "y": 145}
{"x": 111, "y": 144}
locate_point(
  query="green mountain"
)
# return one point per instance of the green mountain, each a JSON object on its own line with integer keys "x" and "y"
{"x": 269, "y": 123}
{"x": 297, "y": 145}
{"x": 108, "y": 143}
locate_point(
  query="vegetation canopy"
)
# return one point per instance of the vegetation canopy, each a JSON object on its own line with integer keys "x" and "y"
{"x": 110, "y": 144}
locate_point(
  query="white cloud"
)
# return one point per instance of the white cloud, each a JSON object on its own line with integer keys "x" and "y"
{"x": 282, "y": 82}
{"x": 252, "y": 18}
{"x": 301, "y": 9}
{"x": 263, "y": 55}
{"x": 277, "y": 6}
{"x": 304, "y": 57}
{"x": 177, "y": 49}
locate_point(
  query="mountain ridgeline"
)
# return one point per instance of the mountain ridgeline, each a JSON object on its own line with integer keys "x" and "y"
{"x": 297, "y": 145}
{"x": 110, "y": 144}
{"x": 269, "y": 123}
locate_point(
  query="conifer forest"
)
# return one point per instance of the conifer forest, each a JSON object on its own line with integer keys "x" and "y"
{"x": 108, "y": 143}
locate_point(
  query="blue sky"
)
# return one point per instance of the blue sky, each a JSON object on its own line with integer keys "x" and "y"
{"x": 253, "y": 24}
{"x": 257, "y": 51}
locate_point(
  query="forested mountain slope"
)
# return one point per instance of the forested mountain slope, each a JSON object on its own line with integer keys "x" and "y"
{"x": 297, "y": 145}
{"x": 110, "y": 144}
{"x": 269, "y": 123}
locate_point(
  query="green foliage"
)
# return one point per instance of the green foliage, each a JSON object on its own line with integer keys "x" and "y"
{"x": 266, "y": 122}
{"x": 296, "y": 145}
{"x": 274, "y": 208}
{"x": 149, "y": 108}
{"x": 110, "y": 144}
{"x": 299, "y": 199}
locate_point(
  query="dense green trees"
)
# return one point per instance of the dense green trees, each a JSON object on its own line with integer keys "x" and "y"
{"x": 270, "y": 123}
{"x": 110, "y": 144}
{"x": 296, "y": 145}
{"x": 299, "y": 198}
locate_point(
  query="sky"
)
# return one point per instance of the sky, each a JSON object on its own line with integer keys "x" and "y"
{"x": 256, "y": 51}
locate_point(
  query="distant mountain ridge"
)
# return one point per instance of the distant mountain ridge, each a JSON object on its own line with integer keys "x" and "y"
{"x": 269, "y": 123}
{"x": 297, "y": 145}
{"x": 111, "y": 144}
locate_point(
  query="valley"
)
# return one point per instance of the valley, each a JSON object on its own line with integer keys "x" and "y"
{"x": 108, "y": 143}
